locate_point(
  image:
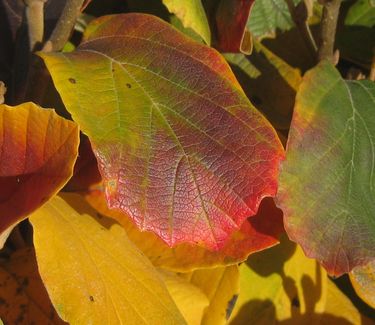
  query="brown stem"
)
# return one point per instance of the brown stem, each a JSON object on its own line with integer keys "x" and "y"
{"x": 328, "y": 26}
{"x": 60, "y": 35}
{"x": 64, "y": 26}
{"x": 372, "y": 70}
{"x": 300, "y": 16}
{"x": 35, "y": 22}
{"x": 3, "y": 90}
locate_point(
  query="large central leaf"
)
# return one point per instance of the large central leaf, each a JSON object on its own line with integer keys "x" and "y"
{"x": 179, "y": 146}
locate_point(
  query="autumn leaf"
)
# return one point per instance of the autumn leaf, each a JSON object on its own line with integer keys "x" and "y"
{"x": 192, "y": 15}
{"x": 39, "y": 149}
{"x": 179, "y": 146}
{"x": 221, "y": 286}
{"x": 94, "y": 274}
{"x": 257, "y": 233}
{"x": 23, "y": 298}
{"x": 363, "y": 280}
{"x": 282, "y": 286}
{"x": 341, "y": 309}
{"x": 190, "y": 300}
{"x": 231, "y": 32}
{"x": 326, "y": 188}
{"x": 278, "y": 284}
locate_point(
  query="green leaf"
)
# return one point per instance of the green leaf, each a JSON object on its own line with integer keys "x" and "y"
{"x": 361, "y": 13}
{"x": 327, "y": 182}
{"x": 356, "y": 38}
{"x": 92, "y": 271}
{"x": 180, "y": 148}
{"x": 269, "y": 15}
{"x": 192, "y": 15}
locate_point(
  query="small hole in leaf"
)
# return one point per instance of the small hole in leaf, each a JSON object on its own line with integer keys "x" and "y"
{"x": 230, "y": 306}
{"x": 128, "y": 85}
{"x": 295, "y": 302}
{"x": 92, "y": 298}
{"x": 72, "y": 80}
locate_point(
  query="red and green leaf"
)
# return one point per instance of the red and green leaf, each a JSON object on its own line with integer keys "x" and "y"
{"x": 327, "y": 182}
{"x": 179, "y": 146}
{"x": 38, "y": 150}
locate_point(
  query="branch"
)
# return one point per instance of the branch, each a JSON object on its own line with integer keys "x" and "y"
{"x": 328, "y": 26}
{"x": 3, "y": 90}
{"x": 35, "y": 22}
{"x": 372, "y": 70}
{"x": 64, "y": 26}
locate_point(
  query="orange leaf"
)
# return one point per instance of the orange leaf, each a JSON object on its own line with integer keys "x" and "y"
{"x": 38, "y": 150}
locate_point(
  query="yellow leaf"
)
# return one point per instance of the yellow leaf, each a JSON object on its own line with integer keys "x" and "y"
{"x": 221, "y": 286}
{"x": 340, "y": 310}
{"x": 23, "y": 298}
{"x": 279, "y": 284}
{"x": 93, "y": 273}
{"x": 363, "y": 280}
{"x": 190, "y": 300}
{"x": 192, "y": 15}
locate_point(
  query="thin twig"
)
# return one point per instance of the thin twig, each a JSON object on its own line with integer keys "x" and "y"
{"x": 328, "y": 26}
{"x": 300, "y": 16}
{"x": 64, "y": 26}
{"x": 372, "y": 70}
{"x": 35, "y": 22}
{"x": 3, "y": 90}
{"x": 59, "y": 36}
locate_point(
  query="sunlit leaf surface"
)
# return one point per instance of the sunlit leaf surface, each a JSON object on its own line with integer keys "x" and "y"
{"x": 92, "y": 272}
{"x": 38, "y": 150}
{"x": 179, "y": 146}
{"x": 221, "y": 286}
{"x": 192, "y": 15}
{"x": 363, "y": 280}
{"x": 190, "y": 300}
{"x": 257, "y": 233}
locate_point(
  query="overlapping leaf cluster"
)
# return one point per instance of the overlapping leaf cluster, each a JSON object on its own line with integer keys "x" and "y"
{"x": 174, "y": 157}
